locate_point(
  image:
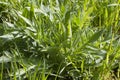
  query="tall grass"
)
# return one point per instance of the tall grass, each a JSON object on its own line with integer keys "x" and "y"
{"x": 59, "y": 40}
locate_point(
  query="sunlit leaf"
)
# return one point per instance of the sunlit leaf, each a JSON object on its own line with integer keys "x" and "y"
{"x": 4, "y": 59}
{"x": 10, "y": 24}
{"x": 7, "y": 37}
{"x": 25, "y": 19}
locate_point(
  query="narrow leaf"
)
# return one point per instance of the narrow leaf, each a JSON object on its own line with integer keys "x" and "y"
{"x": 25, "y": 19}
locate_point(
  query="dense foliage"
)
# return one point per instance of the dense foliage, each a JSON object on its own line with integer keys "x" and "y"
{"x": 59, "y": 39}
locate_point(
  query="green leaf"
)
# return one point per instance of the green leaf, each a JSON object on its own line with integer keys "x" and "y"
{"x": 67, "y": 17}
{"x": 95, "y": 36}
{"x": 25, "y": 19}
{"x": 31, "y": 12}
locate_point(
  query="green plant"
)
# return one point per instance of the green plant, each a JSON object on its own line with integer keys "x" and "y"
{"x": 59, "y": 39}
